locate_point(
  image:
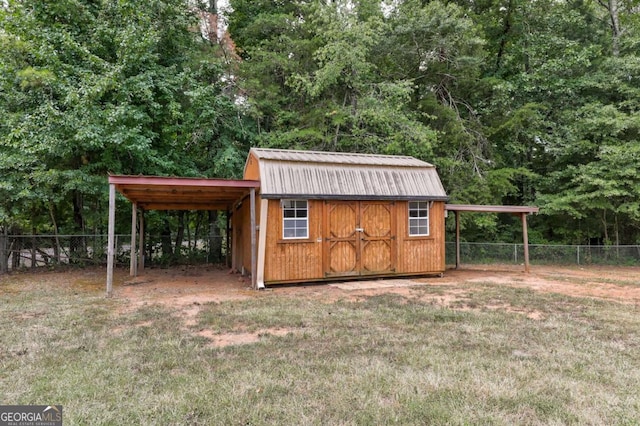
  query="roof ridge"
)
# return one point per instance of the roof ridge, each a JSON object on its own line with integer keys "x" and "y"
{"x": 355, "y": 154}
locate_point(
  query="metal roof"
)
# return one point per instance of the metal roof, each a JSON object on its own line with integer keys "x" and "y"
{"x": 338, "y": 158}
{"x": 174, "y": 193}
{"x": 333, "y": 175}
{"x": 490, "y": 209}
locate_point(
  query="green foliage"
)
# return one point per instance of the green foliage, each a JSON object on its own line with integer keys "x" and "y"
{"x": 313, "y": 80}
{"x": 515, "y": 102}
{"x": 91, "y": 87}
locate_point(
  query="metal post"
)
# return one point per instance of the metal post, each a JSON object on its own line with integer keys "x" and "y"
{"x": 110, "y": 239}
{"x": 228, "y": 239}
{"x": 457, "y": 215}
{"x": 133, "y": 264}
{"x": 525, "y": 242}
{"x": 141, "y": 243}
{"x": 254, "y": 255}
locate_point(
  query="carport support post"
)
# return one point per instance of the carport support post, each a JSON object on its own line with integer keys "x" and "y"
{"x": 254, "y": 256}
{"x": 133, "y": 264}
{"x": 457, "y": 215}
{"x": 110, "y": 239}
{"x": 227, "y": 258}
{"x": 141, "y": 244}
{"x": 525, "y": 242}
{"x": 262, "y": 242}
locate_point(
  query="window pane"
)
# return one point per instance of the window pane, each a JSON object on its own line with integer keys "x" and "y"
{"x": 295, "y": 222}
{"x": 418, "y": 218}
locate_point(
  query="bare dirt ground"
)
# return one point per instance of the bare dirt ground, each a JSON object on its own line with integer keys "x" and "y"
{"x": 194, "y": 285}
{"x": 188, "y": 288}
{"x": 188, "y": 285}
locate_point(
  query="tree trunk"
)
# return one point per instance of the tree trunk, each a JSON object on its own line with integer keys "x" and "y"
{"x": 56, "y": 247}
{"x": 604, "y": 226}
{"x": 78, "y": 245}
{"x": 165, "y": 238}
{"x": 15, "y": 261}
{"x": 215, "y": 242}
{"x": 506, "y": 29}
{"x": 615, "y": 27}
{"x": 196, "y": 232}
{"x": 4, "y": 258}
{"x": 188, "y": 221}
{"x": 33, "y": 247}
{"x": 179, "y": 234}
{"x": 613, "y": 9}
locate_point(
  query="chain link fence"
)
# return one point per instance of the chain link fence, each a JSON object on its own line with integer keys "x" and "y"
{"x": 37, "y": 251}
{"x": 549, "y": 254}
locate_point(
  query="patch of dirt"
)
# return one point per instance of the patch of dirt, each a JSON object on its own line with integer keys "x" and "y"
{"x": 187, "y": 289}
{"x": 232, "y": 339}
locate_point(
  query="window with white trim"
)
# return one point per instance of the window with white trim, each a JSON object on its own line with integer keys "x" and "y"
{"x": 295, "y": 219}
{"x": 418, "y": 218}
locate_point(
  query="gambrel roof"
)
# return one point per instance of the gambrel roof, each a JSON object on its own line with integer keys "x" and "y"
{"x": 335, "y": 175}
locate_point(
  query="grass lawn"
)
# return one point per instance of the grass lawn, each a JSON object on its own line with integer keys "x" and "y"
{"x": 380, "y": 359}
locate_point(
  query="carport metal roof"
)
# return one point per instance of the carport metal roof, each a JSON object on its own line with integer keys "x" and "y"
{"x": 490, "y": 209}
{"x": 522, "y": 211}
{"x": 178, "y": 193}
{"x": 173, "y": 193}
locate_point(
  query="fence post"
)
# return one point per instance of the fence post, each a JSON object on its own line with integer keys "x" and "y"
{"x": 33, "y": 250}
{"x": 515, "y": 253}
{"x": 4, "y": 268}
{"x": 578, "y": 254}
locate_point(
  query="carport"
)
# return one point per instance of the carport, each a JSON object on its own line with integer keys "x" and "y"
{"x": 174, "y": 193}
{"x": 521, "y": 211}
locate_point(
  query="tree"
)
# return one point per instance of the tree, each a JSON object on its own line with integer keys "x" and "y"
{"x": 312, "y": 77}
{"x": 91, "y": 87}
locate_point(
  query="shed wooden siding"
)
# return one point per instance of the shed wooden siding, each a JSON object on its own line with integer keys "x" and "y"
{"x": 252, "y": 167}
{"x": 309, "y": 260}
{"x": 293, "y": 260}
{"x": 421, "y": 254}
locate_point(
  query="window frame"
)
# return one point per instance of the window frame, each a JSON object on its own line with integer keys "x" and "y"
{"x": 295, "y": 219}
{"x": 414, "y": 222}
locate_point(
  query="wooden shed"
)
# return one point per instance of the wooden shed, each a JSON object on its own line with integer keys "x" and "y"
{"x": 326, "y": 216}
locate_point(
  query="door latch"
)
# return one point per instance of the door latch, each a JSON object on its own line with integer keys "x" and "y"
{"x": 359, "y": 229}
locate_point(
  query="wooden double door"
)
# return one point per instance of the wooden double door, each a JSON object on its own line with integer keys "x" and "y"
{"x": 359, "y": 238}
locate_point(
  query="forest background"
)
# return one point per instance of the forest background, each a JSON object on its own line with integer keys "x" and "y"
{"x": 514, "y": 101}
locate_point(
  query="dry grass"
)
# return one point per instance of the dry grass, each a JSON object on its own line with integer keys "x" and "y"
{"x": 387, "y": 358}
